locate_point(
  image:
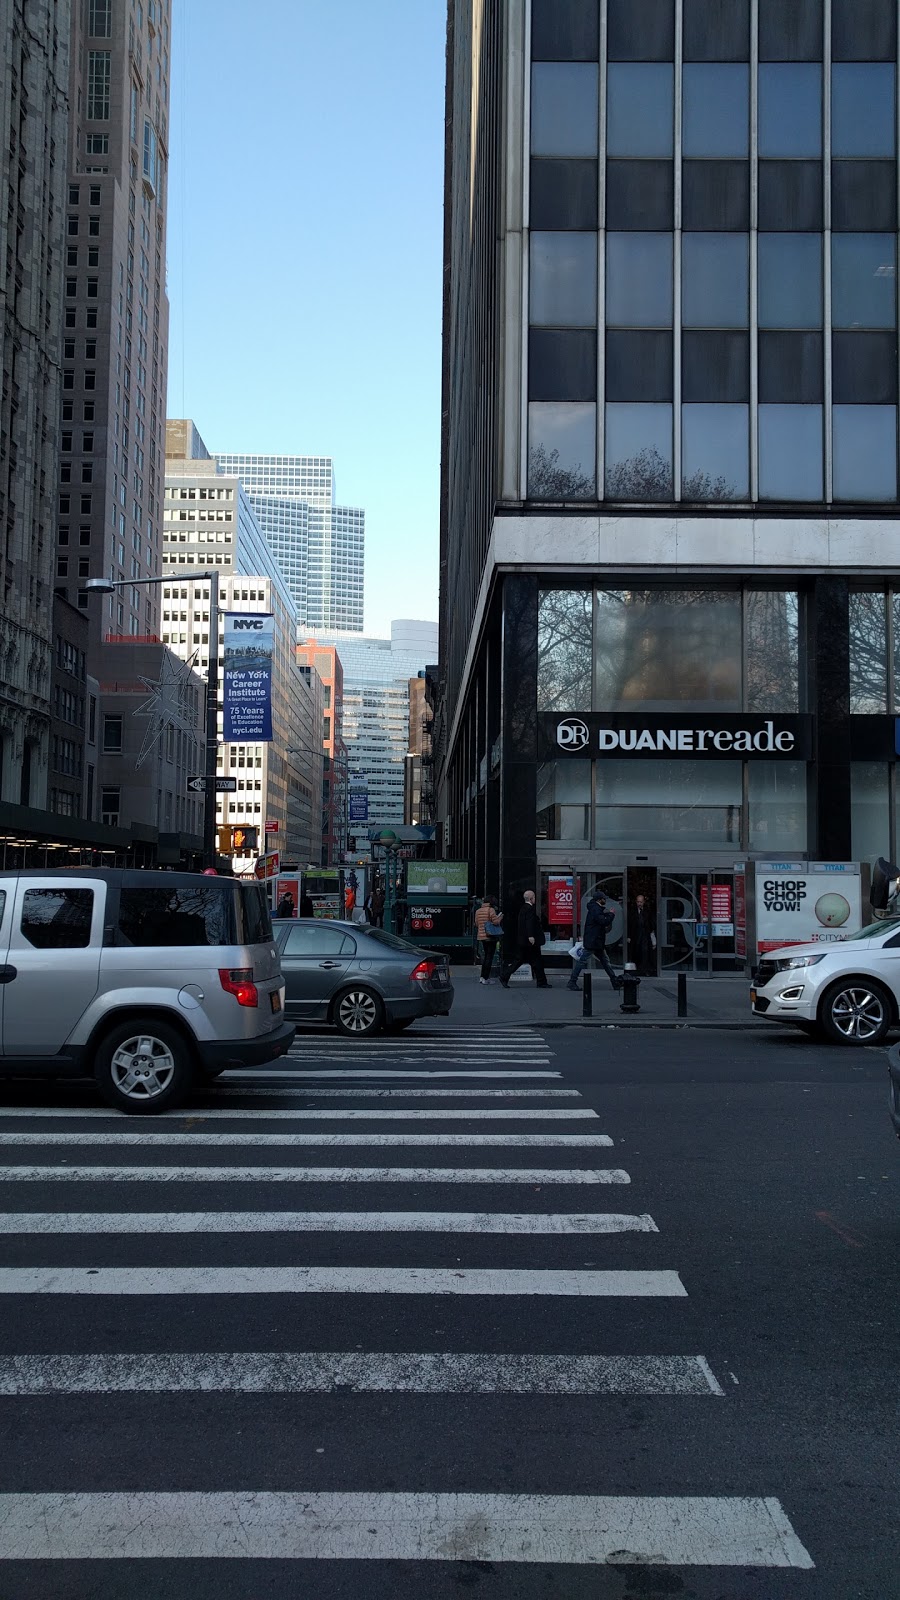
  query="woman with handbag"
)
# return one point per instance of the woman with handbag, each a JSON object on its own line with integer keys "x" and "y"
{"x": 489, "y": 928}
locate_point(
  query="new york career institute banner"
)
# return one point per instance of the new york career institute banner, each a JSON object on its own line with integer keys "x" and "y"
{"x": 247, "y": 679}
{"x": 680, "y": 735}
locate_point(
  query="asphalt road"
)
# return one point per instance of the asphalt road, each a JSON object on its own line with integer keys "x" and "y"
{"x": 696, "y": 1384}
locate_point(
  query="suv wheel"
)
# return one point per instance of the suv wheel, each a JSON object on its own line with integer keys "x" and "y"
{"x": 358, "y": 1012}
{"x": 856, "y": 1011}
{"x": 144, "y": 1066}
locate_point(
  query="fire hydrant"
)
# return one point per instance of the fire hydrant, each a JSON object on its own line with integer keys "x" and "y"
{"x": 630, "y": 985}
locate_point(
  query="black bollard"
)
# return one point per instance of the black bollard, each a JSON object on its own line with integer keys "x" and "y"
{"x": 630, "y": 985}
{"x": 587, "y": 995}
{"x": 682, "y": 994}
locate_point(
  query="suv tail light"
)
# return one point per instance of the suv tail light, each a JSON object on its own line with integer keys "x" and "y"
{"x": 239, "y": 982}
{"x": 424, "y": 972}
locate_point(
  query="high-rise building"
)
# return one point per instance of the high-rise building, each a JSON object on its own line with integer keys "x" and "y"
{"x": 34, "y": 61}
{"x": 418, "y": 792}
{"x": 324, "y": 660}
{"x": 116, "y": 314}
{"x": 376, "y": 712}
{"x": 209, "y": 522}
{"x": 670, "y": 547}
{"x": 319, "y": 545}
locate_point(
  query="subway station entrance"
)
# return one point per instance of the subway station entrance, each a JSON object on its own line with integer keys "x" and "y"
{"x": 666, "y": 919}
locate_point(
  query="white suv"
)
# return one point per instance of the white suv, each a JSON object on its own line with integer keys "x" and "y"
{"x": 851, "y": 990}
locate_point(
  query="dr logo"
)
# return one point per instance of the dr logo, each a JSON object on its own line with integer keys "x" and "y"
{"x": 572, "y": 734}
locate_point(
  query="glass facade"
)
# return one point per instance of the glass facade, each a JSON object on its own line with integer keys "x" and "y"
{"x": 713, "y": 295}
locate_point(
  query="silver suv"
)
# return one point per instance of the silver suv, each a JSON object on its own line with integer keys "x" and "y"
{"x": 145, "y": 979}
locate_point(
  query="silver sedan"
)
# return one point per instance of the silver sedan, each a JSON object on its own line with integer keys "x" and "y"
{"x": 359, "y": 978}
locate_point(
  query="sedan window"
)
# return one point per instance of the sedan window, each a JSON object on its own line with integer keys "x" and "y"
{"x": 317, "y": 939}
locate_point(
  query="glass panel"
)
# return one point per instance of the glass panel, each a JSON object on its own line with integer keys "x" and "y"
{"x": 716, "y": 452}
{"x": 563, "y": 194}
{"x": 641, "y": 30}
{"x": 863, "y": 293}
{"x": 777, "y": 806}
{"x": 640, "y": 110}
{"x": 564, "y": 109}
{"x": 870, "y": 811}
{"x": 716, "y": 30}
{"x": 639, "y": 280}
{"x": 658, "y": 649}
{"x": 564, "y": 800}
{"x": 715, "y": 280}
{"x": 640, "y": 195}
{"x": 716, "y": 194}
{"x": 868, "y": 651}
{"x": 791, "y": 368}
{"x": 562, "y": 364}
{"x": 862, "y": 109}
{"x": 308, "y": 939}
{"x": 180, "y": 918}
{"x": 564, "y": 30}
{"x": 790, "y": 280}
{"x": 790, "y": 110}
{"x": 639, "y": 365}
{"x": 790, "y": 196}
{"x": 715, "y": 367}
{"x": 559, "y": 900}
{"x": 863, "y": 196}
{"x": 863, "y": 30}
{"x": 668, "y": 804}
{"x": 638, "y": 452}
{"x": 58, "y": 919}
{"x": 771, "y": 650}
{"x": 563, "y": 282}
{"x": 565, "y": 649}
{"x": 716, "y": 110}
{"x": 562, "y": 445}
{"x": 790, "y": 453}
{"x": 865, "y": 452}
{"x": 895, "y": 617}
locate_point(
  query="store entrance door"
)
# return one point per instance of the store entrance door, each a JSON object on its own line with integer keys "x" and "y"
{"x": 697, "y": 930}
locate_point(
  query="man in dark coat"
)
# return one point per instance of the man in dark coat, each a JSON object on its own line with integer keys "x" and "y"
{"x": 597, "y": 924}
{"x": 529, "y": 938}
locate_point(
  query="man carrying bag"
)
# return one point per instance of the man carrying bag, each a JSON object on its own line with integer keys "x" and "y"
{"x": 597, "y": 924}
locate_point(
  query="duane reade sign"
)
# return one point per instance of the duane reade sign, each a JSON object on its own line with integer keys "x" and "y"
{"x": 714, "y": 737}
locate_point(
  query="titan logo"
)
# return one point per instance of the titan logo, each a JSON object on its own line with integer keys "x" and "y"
{"x": 572, "y": 734}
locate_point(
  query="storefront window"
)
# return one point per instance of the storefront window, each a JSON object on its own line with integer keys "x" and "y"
{"x": 771, "y": 650}
{"x": 665, "y": 649}
{"x": 674, "y": 805}
{"x": 565, "y": 629}
{"x": 777, "y": 806}
{"x": 868, "y": 651}
{"x": 870, "y": 811}
{"x": 564, "y": 800}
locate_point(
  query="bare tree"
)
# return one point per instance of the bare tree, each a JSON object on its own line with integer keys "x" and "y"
{"x": 565, "y": 629}
{"x": 548, "y": 479}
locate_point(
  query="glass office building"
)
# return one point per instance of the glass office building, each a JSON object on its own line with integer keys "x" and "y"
{"x": 669, "y": 544}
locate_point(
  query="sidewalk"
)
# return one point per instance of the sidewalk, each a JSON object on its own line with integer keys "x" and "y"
{"x": 711, "y": 1003}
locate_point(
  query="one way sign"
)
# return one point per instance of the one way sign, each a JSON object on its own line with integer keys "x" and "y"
{"x": 223, "y": 785}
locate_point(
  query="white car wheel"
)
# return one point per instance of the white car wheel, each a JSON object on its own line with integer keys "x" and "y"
{"x": 856, "y": 1012}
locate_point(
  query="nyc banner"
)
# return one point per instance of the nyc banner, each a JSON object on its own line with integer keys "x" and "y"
{"x": 247, "y": 678}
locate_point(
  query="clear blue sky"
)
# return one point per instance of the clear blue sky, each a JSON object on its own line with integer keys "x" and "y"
{"x": 305, "y": 239}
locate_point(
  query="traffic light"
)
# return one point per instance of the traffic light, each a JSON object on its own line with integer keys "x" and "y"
{"x": 225, "y": 841}
{"x": 245, "y": 841}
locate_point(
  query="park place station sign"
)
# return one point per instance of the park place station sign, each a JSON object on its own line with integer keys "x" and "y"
{"x": 680, "y": 735}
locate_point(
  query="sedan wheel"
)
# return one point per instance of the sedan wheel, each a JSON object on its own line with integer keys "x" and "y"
{"x": 145, "y": 1068}
{"x": 358, "y": 1012}
{"x": 856, "y": 1013}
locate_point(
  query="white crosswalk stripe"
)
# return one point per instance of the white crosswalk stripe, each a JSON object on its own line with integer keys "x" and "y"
{"x": 318, "y": 1255}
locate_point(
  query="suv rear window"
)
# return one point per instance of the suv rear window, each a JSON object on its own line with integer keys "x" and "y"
{"x": 178, "y": 917}
{"x": 255, "y": 914}
{"x": 58, "y": 919}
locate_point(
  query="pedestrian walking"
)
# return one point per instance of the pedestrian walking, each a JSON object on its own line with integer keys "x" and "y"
{"x": 529, "y": 939}
{"x": 489, "y": 929}
{"x": 597, "y": 924}
{"x": 377, "y": 907}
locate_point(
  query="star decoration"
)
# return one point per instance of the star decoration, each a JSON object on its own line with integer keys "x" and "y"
{"x": 169, "y": 704}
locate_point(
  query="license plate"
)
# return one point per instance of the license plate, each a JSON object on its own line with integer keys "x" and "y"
{"x": 275, "y": 998}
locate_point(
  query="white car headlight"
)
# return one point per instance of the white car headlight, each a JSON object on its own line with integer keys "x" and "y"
{"x": 798, "y": 961}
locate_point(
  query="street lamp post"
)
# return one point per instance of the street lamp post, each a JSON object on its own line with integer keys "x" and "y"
{"x": 109, "y": 586}
{"x": 338, "y": 763}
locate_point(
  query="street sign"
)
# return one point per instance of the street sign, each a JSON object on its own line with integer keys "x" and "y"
{"x": 268, "y": 866}
{"x": 273, "y": 825}
{"x": 223, "y": 785}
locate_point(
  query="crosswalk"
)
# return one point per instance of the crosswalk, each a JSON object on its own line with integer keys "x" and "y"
{"x": 221, "y": 1283}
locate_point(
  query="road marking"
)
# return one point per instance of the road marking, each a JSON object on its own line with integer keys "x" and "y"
{"x": 327, "y": 1141}
{"x": 154, "y": 1174}
{"x": 550, "y": 1529}
{"x": 226, "y": 1222}
{"x": 408, "y": 1094}
{"x": 365, "y": 1072}
{"x": 324, "y": 1372}
{"x": 49, "y": 1113}
{"x": 334, "y": 1280}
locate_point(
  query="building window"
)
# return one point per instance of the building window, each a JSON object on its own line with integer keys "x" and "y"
{"x": 97, "y": 144}
{"x": 112, "y": 735}
{"x": 109, "y": 807}
{"x": 98, "y": 80}
{"x": 565, "y": 634}
{"x": 100, "y": 19}
{"x": 868, "y": 651}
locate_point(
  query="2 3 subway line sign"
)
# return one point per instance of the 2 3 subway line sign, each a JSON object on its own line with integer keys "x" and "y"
{"x": 680, "y": 735}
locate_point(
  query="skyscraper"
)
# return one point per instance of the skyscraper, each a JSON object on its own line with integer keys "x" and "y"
{"x": 34, "y": 46}
{"x": 116, "y": 313}
{"x": 670, "y": 546}
{"x": 319, "y": 545}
